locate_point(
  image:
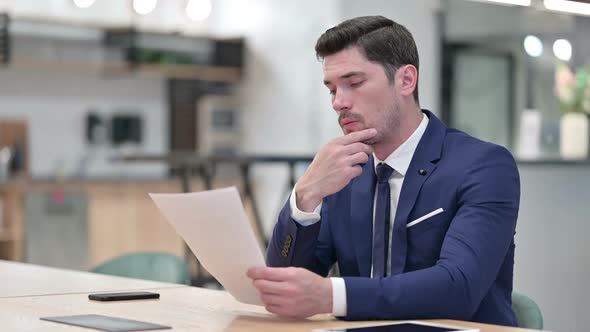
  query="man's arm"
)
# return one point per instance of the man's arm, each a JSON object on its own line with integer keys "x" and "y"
{"x": 295, "y": 243}
{"x": 472, "y": 253}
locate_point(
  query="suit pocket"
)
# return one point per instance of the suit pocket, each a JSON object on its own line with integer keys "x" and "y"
{"x": 425, "y": 236}
{"x": 424, "y": 217}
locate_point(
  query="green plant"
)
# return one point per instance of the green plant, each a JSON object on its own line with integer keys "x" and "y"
{"x": 572, "y": 89}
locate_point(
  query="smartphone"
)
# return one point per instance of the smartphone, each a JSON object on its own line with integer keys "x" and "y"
{"x": 125, "y": 296}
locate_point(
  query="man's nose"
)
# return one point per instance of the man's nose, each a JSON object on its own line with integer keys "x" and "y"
{"x": 340, "y": 102}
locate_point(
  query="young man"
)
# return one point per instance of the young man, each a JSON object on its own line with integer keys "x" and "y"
{"x": 419, "y": 217}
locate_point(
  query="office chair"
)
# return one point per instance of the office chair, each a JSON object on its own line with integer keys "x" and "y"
{"x": 156, "y": 266}
{"x": 528, "y": 313}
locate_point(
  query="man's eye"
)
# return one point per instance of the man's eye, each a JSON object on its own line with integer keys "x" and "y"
{"x": 355, "y": 84}
{"x": 332, "y": 93}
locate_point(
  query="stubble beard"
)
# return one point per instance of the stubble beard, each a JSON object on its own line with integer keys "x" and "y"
{"x": 388, "y": 126}
{"x": 385, "y": 128}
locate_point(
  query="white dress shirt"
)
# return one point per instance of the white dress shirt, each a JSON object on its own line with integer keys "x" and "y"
{"x": 399, "y": 160}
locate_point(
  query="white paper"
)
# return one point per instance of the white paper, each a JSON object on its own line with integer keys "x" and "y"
{"x": 215, "y": 226}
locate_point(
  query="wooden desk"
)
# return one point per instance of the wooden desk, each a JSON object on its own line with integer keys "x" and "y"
{"x": 29, "y": 292}
{"x": 185, "y": 309}
{"x": 19, "y": 279}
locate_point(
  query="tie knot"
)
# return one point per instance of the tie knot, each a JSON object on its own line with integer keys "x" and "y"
{"x": 383, "y": 172}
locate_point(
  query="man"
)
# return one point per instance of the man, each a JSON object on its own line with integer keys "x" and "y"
{"x": 419, "y": 217}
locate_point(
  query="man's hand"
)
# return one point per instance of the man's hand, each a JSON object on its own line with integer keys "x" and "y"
{"x": 292, "y": 292}
{"x": 337, "y": 162}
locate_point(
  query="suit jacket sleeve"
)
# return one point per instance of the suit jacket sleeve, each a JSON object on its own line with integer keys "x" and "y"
{"x": 472, "y": 253}
{"x": 295, "y": 245}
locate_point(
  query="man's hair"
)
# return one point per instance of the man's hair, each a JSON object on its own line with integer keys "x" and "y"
{"x": 380, "y": 39}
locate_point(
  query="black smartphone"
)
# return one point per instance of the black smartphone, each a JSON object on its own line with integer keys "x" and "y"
{"x": 124, "y": 296}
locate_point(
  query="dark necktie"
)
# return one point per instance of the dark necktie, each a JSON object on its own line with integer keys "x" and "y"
{"x": 381, "y": 225}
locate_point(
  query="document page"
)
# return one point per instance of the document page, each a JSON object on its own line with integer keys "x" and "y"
{"x": 215, "y": 226}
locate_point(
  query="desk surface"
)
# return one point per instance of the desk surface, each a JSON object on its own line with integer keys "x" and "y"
{"x": 19, "y": 279}
{"x": 191, "y": 158}
{"x": 185, "y": 309}
{"x": 29, "y": 292}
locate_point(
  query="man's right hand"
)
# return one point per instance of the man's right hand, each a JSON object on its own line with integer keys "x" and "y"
{"x": 333, "y": 167}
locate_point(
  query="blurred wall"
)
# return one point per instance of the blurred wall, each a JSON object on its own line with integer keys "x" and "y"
{"x": 552, "y": 255}
{"x": 55, "y": 105}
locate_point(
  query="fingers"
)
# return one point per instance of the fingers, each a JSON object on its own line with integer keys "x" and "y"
{"x": 274, "y": 299}
{"x": 355, "y": 171}
{"x": 272, "y": 287}
{"x": 300, "y": 293}
{"x": 286, "y": 310}
{"x": 357, "y": 136}
{"x": 283, "y": 307}
{"x": 358, "y": 147}
{"x": 270, "y": 273}
{"x": 280, "y": 310}
{"x": 359, "y": 158}
{"x": 255, "y": 272}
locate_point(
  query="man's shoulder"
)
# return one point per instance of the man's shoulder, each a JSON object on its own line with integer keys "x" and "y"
{"x": 458, "y": 143}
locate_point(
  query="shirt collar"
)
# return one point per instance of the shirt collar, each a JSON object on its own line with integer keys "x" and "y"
{"x": 400, "y": 159}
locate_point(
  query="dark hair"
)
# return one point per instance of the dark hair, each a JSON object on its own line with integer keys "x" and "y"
{"x": 380, "y": 39}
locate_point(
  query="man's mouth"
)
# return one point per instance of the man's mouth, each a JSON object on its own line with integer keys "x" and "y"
{"x": 346, "y": 121}
{"x": 350, "y": 125}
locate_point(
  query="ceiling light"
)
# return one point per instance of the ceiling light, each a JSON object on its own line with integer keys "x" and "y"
{"x": 144, "y": 7}
{"x": 574, "y": 7}
{"x": 533, "y": 46}
{"x": 83, "y": 3}
{"x": 198, "y": 10}
{"x": 513, "y": 2}
{"x": 562, "y": 49}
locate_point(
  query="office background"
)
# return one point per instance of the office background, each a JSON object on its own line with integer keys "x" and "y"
{"x": 471, "y": 58}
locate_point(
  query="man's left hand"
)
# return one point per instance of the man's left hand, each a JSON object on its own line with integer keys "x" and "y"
{"x": 292, "y": 292}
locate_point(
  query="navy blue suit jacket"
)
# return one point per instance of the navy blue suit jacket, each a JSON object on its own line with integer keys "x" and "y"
{"x": 459, "y": 263}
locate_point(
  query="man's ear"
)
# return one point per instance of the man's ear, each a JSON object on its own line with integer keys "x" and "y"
{"x": 407, "y": 76}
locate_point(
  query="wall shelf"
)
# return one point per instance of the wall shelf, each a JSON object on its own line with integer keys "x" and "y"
{"x": 173, "y": 71}
{"x": 44, "y": 45}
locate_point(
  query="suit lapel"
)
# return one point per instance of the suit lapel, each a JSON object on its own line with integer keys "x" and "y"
{"x": 361, "y": 216}
{"x": 362, "y": 194}
{"x": 427, "y": 154}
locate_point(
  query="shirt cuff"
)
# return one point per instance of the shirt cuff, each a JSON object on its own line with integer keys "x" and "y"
{"x": 338, "y": 297}
{"x": 303, "y": 218}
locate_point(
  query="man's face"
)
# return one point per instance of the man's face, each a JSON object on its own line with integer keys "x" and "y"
{"x": 362, "y": 95}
